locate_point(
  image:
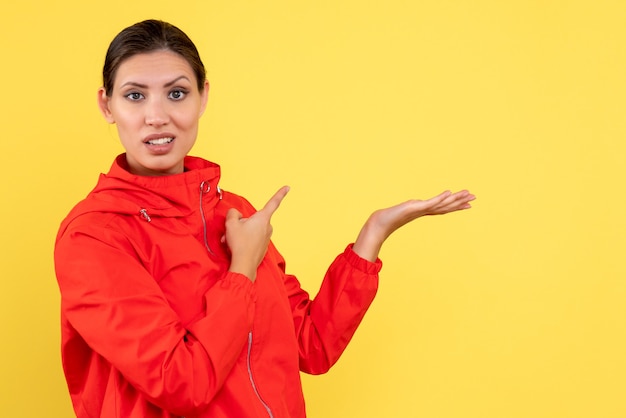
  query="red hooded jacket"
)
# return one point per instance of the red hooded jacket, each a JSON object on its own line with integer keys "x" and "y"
{"x": 154, "y": 324}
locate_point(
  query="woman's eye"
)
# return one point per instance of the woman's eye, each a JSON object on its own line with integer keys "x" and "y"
{"x": 177, "y": 94}
{"x": 134, "y": 96}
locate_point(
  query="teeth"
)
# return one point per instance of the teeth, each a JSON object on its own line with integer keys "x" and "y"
{"x": 160, "y": 141}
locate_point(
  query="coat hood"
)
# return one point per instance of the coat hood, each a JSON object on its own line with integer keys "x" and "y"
{"x": 122, "y": 192}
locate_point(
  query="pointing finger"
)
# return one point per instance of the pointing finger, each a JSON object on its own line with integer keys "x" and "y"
{"x": 274, "y": 202}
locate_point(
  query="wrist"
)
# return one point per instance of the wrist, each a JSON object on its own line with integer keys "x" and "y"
{"x": 368, "y": 242}
{"x": 243, "y": 268}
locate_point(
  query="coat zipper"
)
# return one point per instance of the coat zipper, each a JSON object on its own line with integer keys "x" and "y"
{"x": 203, "y": 191}
{"x": 248, "y": 360}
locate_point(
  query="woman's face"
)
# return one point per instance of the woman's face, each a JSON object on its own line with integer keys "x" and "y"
{"x": 156, "y": 105}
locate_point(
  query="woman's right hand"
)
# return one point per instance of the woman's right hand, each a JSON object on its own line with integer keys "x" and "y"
{"x": 248, "y": 238}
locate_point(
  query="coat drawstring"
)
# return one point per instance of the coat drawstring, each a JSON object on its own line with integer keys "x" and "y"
{"x": 205, "y": 187}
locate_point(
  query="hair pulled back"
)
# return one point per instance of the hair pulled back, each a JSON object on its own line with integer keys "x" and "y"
{"x": 149, "y": 36}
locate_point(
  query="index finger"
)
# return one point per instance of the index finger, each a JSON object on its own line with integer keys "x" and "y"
{"x": 274, "y": 202}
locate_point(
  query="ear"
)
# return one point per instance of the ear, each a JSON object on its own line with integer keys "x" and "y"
{"x": 204, "y": 97}
{"x": 103, "y": 104}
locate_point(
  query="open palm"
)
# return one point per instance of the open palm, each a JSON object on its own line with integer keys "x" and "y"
{"x": 383, "y": 222}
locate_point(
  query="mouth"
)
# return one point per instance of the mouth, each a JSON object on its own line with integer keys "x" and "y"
{"x": 159, "y": 141}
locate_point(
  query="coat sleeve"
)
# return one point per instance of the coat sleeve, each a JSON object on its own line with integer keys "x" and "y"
{"x": 120, "y": 312}
{"x": 325, "y": 325}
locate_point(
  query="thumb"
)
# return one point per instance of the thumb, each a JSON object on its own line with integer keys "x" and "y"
{"x": 233, "y": 215}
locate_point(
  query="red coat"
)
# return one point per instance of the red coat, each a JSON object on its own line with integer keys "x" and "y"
{"x": 154, "y": 325}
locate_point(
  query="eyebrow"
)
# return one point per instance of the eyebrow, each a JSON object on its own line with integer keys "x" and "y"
{"x": 143, "y": 86}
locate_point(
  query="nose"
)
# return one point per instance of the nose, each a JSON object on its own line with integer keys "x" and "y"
{"x": 156, "y": 112}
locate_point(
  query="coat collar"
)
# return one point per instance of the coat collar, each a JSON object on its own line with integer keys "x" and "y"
{"x": 171, "y": 195}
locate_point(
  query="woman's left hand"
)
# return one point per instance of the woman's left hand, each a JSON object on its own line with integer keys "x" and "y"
{"x": 383, "y": 222}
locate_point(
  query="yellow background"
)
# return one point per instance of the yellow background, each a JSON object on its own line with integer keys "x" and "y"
{"x": 513, "y": 309}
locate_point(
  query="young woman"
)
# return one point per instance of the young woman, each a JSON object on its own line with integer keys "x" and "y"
{"x": 174, "y": 300}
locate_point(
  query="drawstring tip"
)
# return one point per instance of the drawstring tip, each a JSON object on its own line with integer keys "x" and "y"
{"x": 145, "y": 215}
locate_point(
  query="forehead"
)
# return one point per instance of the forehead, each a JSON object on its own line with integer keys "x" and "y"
{"x": 154, "y": 67}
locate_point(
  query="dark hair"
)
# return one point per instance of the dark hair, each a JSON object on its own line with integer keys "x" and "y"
{"x": 149, "y": 36}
